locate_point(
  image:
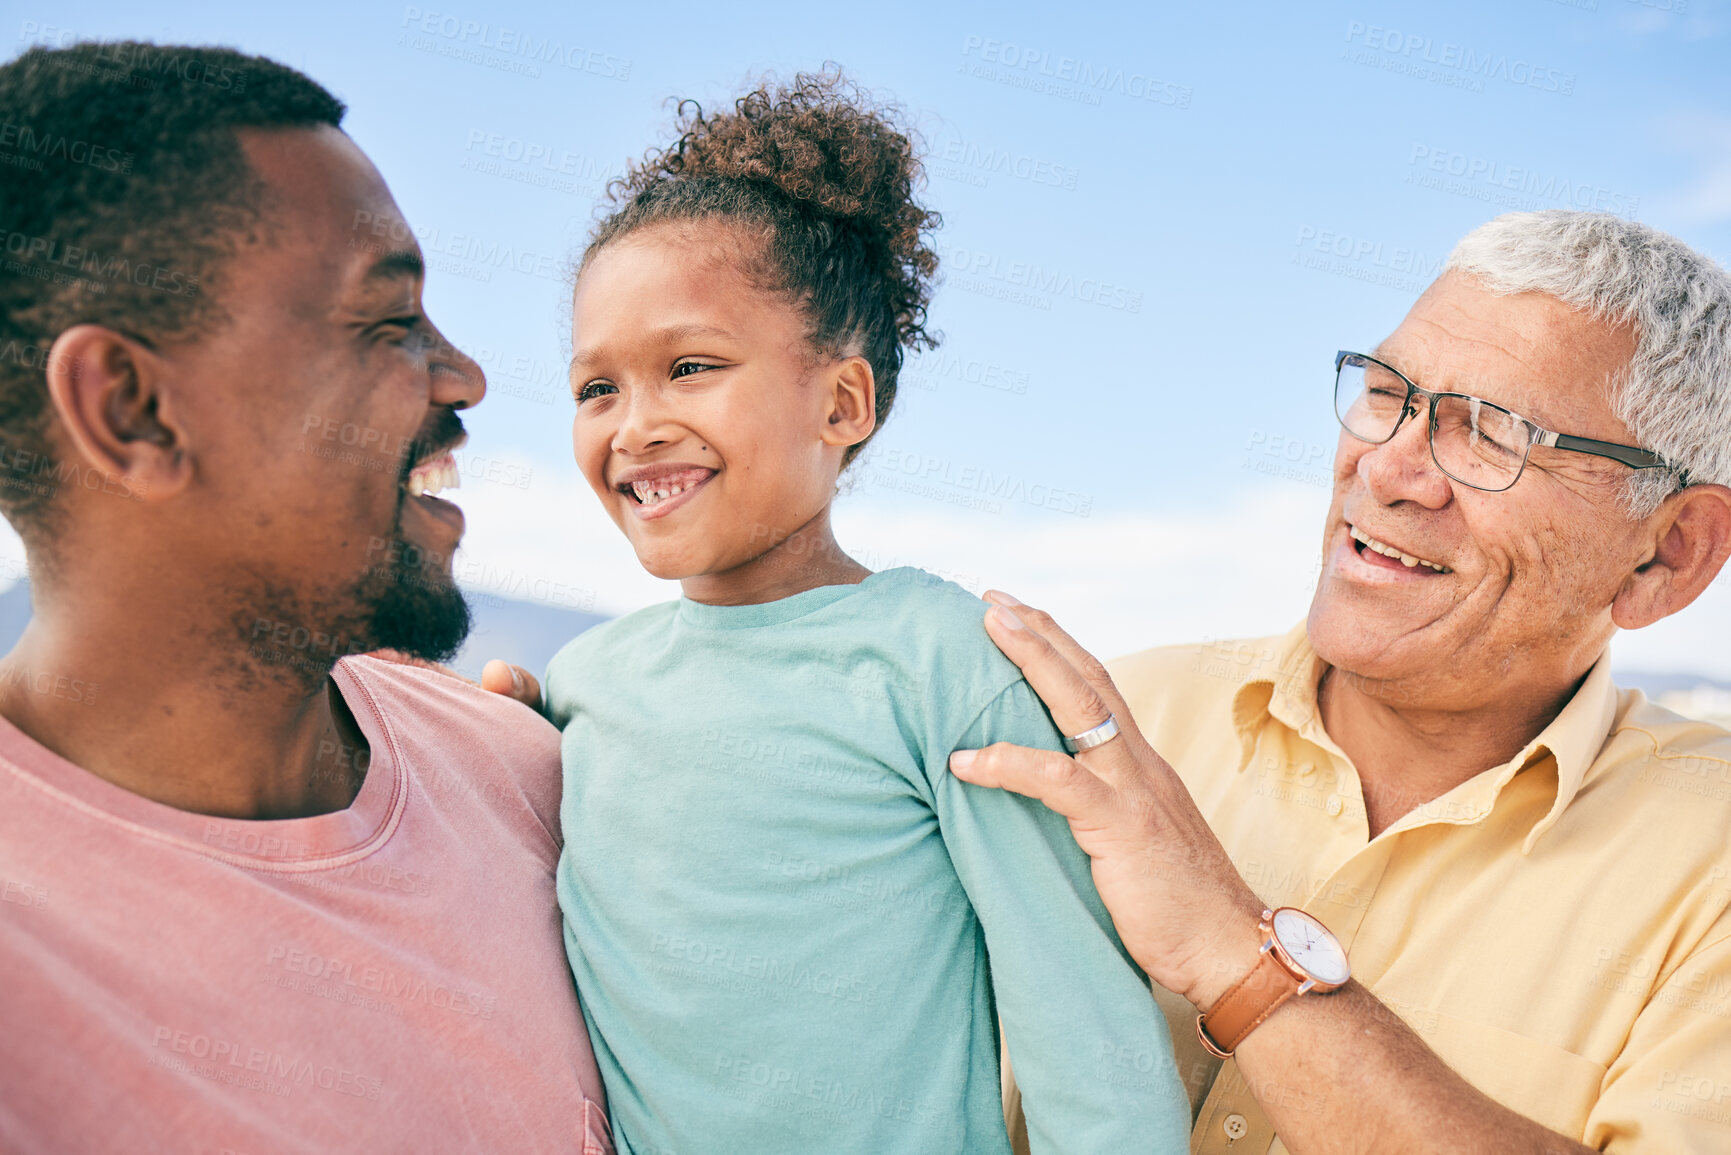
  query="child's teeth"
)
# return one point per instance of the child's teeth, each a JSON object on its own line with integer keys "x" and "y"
{"x": 649, "y": 496}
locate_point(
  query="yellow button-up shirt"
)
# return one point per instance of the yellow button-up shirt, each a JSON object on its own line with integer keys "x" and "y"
{"x": 1557, "y": 929}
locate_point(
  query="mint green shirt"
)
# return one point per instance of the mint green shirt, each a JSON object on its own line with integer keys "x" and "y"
{"x": 794, "y": 931}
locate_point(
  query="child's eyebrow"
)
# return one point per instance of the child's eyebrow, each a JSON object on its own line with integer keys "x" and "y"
{"x": 667, "y": 335}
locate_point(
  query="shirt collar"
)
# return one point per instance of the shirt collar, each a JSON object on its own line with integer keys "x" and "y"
{"x": 1281, "y": 680}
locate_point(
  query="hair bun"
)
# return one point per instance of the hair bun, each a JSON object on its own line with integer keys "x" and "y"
{"x": 817, "y": 140}
{"x": 833, "y": 153}
{"x": 821, "y": 180}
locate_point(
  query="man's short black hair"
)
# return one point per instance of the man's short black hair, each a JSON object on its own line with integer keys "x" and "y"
{"x": 123, "y": 187}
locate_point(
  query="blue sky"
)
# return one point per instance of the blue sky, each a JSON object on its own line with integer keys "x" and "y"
{"x": 1160, "y": 222}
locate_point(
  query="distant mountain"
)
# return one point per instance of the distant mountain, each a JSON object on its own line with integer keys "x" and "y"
{"x": 522, "y": 632}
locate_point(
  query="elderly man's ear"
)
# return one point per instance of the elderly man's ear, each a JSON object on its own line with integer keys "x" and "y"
{"x": 116, "y": 414}
{"x": 1692, "y": 542}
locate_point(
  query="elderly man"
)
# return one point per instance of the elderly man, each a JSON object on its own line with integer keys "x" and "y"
{"x": 254, "y": 898}
{"x": 1526, "y": 870}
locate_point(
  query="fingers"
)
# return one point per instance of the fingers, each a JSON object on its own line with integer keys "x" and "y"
{"x": 1075, "y": 687}
{"x": 500, "y": 677}
{"x": 1062, "y": 783}
{"x": 1085, "y": 664}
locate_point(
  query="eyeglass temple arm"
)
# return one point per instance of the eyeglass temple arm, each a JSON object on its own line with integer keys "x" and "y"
{"x": 1628, "y": 454}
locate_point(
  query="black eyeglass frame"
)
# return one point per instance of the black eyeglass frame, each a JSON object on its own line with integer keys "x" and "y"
{"x": 1632, "y": 456}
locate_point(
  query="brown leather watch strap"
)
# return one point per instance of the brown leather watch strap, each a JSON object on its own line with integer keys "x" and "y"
{"x": 1243, "y": 1008}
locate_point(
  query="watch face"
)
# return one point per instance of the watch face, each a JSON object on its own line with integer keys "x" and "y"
{"x": 1311, "y": 946}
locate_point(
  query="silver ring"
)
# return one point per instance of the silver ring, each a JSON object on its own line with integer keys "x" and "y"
{"x": 1098, "y": 736}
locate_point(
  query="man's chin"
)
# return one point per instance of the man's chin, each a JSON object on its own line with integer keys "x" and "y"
{"x": 1362, "y": 640}
{"x": 438, "y": 523}
{"x": 415, "y": 610}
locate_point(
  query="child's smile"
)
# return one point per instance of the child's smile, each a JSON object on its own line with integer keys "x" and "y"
{"x": 660, "y": 489}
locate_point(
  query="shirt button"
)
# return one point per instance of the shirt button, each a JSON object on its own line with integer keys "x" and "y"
{"x": 1335, "y": 805}
{"x": 1236, "y": 1126}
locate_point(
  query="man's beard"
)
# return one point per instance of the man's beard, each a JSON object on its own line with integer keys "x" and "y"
{"x": 407, "y": 601}
{"x": 410, "y": 604}
{"x": 404, "y": 601}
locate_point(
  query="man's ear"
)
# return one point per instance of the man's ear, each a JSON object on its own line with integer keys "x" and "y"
{"x": 853, "y": 409}
{"x": 1694, "y": 540}
{"x": 108, "y": 392}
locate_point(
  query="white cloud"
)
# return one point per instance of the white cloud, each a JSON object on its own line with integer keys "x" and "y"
{"x": 1116, "y": 582}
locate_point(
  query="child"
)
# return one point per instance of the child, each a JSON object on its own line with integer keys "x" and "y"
{"x": 794, "y": 931}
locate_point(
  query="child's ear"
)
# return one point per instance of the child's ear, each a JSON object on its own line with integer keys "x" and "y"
{"x": 852, "y": 396}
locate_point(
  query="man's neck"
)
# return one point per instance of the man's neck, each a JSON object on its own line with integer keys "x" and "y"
{"x": 174, "y": 719}
{"x": 1407, "y": 756}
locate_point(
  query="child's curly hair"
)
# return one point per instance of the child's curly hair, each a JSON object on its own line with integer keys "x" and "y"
{"x": 823, "y": 180}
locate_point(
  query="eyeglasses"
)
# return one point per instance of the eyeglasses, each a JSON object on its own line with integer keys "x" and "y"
{"x": 1473, "y": 441}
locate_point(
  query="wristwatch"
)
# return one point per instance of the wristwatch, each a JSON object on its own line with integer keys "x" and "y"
{"x": 1299, "y": 956}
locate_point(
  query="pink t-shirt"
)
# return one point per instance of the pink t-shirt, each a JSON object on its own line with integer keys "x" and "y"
{"x": 387, "y": 978}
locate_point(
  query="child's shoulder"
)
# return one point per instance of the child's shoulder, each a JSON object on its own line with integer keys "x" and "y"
{"x": 940, "y": 625}
{"x": 612, "y": 634}
{"x": 933, "y": 639}
{"x": 928, "y": 599}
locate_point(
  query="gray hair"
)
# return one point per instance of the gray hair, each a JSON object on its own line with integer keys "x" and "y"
{"x": 1675, "y": 395}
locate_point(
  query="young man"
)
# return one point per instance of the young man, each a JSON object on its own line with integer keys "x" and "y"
{"x": 257, "y": 898}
